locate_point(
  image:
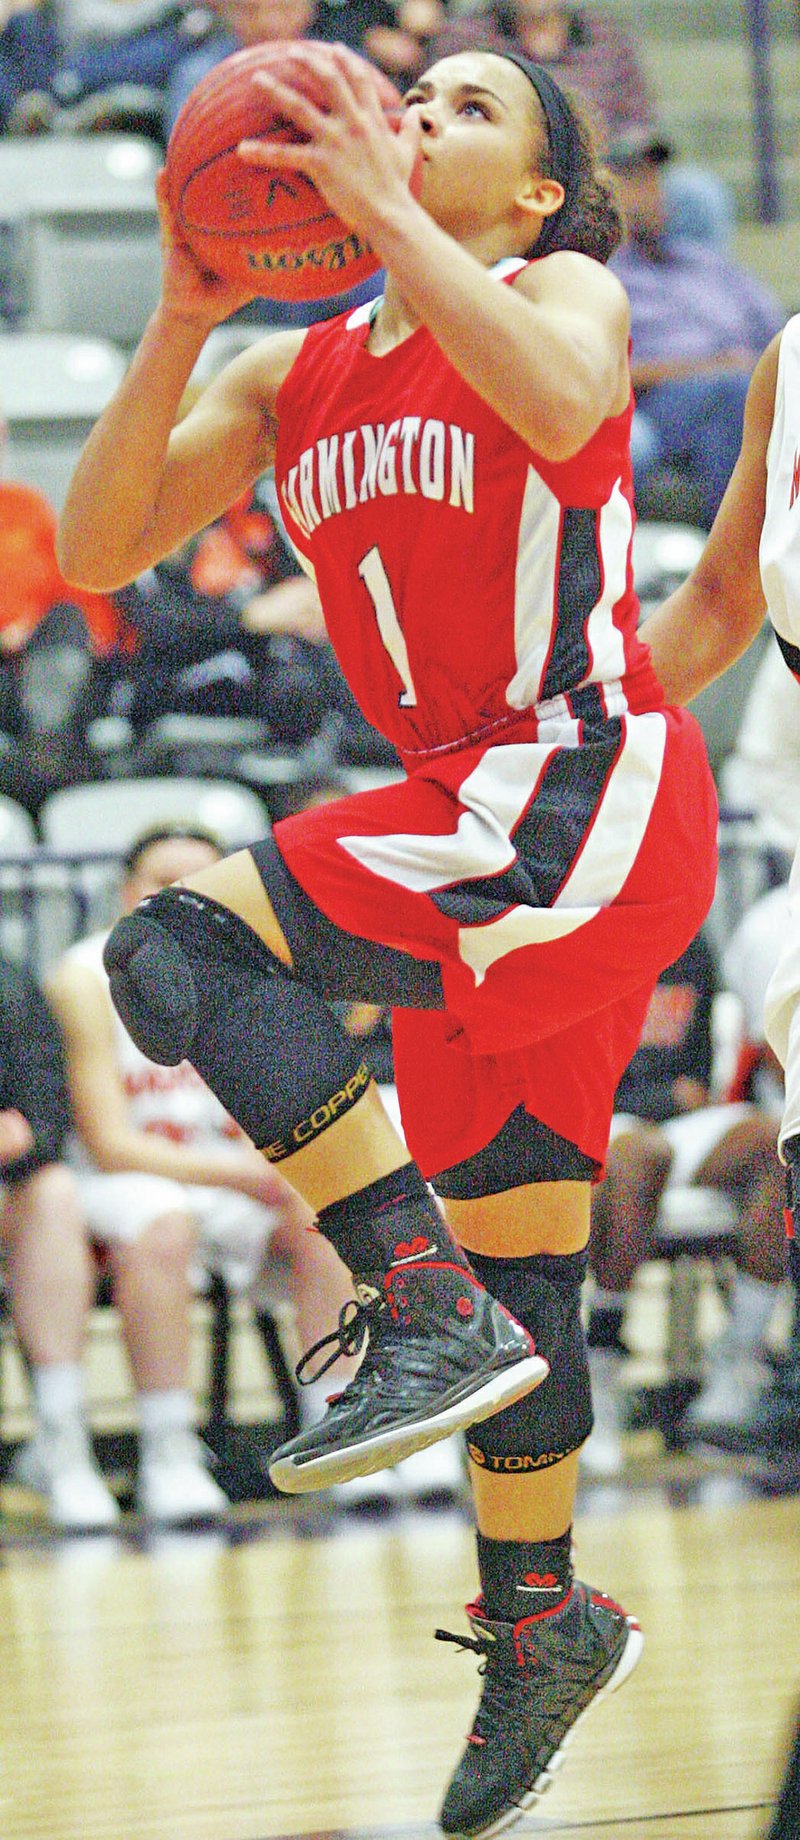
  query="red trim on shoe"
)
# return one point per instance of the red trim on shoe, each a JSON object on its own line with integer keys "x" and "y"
{"x": 542, "y": 1616}
{"x": 396, "y": 1274}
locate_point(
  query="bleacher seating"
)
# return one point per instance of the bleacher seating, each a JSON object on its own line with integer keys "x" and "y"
{"x": 88, "y": 240}
{"x": 17, "y": 829}
{"x": 53, "y": 386}
{"x": 108, "y": 815}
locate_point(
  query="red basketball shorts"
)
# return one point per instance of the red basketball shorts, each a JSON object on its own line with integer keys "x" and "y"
{"x": 552, "y": 885}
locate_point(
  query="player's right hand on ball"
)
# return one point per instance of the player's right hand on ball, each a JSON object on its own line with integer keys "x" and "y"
{"x": 187, "y": 288}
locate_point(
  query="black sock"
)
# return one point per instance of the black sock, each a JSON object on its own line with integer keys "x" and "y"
{"x": 389, "y": 1221}
{"x": 522, "y": 1578}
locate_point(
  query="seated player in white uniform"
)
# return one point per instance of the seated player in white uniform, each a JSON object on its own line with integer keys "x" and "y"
{"x": 667, "y": 1133}
{"x": 172, "y": 1189}
{"x": 48, "y": 1269}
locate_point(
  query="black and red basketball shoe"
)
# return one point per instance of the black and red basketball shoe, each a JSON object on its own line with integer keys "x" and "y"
{"x": 540, "y": 1678}
{"x": 441, "y": 1354}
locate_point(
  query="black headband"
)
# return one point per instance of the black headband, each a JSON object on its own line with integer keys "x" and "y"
{"x": 565, "y": 148}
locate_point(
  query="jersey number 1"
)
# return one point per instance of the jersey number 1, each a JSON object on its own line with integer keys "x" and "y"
{"x": 376, "y": 582}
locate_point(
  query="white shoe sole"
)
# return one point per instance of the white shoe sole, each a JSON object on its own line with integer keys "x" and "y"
{"x": 299, "y": 1477}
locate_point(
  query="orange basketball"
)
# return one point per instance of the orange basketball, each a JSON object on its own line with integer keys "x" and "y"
{"x": 248, "y": 223}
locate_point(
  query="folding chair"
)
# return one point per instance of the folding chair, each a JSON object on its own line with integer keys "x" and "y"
{"x": 87, "y": 231}
{"x": 110, "y": 814}
{"x": 53, "y": 386}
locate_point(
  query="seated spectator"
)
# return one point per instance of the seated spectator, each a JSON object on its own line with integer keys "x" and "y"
{"x": 168, "y": 1184}
{"x": 229, "y": 625}
{"x": 237, "y": 24}
{"x": 56, "y": 644}
{"x": 588, "y": 52}
{"x": 591, "y": 55}
{"x": 668, "y": 1131}
{"x": 78, "y": 65}
{"x": 241, "y": 23}
{"x": 49, "y": 1270}
{"x": 33, "y": 584}
{"x": 699, "y": 322}
{"x": 401, "y": 45}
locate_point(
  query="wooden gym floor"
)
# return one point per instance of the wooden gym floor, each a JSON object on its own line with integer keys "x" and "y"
{"x": 277, "y": 1676}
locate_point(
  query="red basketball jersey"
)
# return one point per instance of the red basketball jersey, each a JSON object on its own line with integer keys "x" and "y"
{"x": 465, "y": 579}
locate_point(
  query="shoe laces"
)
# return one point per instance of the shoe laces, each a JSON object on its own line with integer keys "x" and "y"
{"x": 474, "y": 1642}
{"x": 500, "y": 1695}
{"x": 355, "y": 1320}
{"x": 370, "y": 1319}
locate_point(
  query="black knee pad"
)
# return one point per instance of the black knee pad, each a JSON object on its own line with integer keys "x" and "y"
{"x": 544, "y": 1293}
{"x": 191, "y": 981}
{"x": 152, "y": 985}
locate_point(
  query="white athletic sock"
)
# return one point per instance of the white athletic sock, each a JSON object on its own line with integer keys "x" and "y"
{"x": 170, "y": 1410}
{"x": 752, "y": 1305}
{"x": 58, "y": 1391}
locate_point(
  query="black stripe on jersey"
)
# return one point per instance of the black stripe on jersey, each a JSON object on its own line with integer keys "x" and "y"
{"x": 548, "y": 838}
{"x": 580, "y": 582}
{"x": 588, "y": 706}
{"x": 791, "y": 654}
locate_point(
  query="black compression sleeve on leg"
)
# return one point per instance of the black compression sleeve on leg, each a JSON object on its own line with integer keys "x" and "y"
{"x": 393, "y": 1219}
{"x": 191, "y": 980}
{"x": 544, "y": 1293}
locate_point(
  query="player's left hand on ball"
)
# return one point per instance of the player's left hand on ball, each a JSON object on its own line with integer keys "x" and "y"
{"x": 357, "y": 157}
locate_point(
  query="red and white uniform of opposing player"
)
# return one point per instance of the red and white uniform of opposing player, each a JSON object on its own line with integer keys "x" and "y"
{"x": 779, "y": 561}
{"x": 540, "y": 848}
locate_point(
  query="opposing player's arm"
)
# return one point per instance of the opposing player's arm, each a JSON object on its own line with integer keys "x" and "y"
{"x": 712, "y": 618}
{"x": 147, "y": 480}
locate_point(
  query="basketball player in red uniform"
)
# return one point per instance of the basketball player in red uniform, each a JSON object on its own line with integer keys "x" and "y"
{"x": 453, "y": 465}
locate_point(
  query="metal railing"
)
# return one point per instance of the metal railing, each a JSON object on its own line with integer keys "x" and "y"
{"x": 49, "y": 898}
